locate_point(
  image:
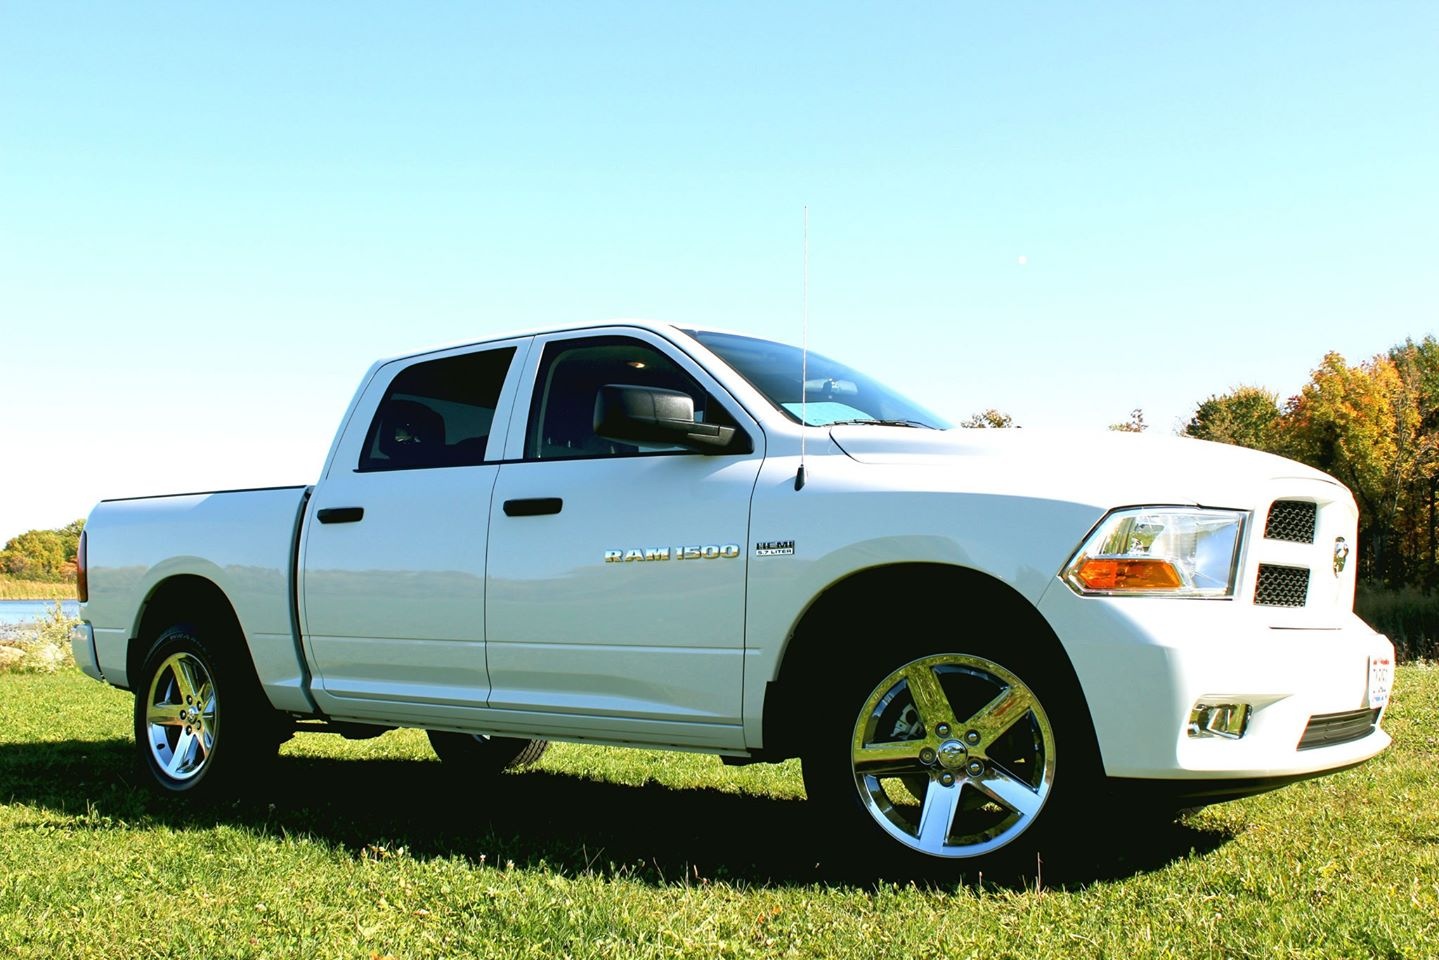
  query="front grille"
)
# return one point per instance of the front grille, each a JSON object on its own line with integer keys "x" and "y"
{"x": 1291, "y": 520}
{"x": 1281, "y": 586}
{"x": 1327, "y": 729}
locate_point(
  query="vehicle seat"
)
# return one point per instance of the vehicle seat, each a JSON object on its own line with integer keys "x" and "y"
{"x": 412, "y": 435}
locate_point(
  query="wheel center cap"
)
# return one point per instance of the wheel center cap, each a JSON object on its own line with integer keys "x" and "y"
{"x": 952, "y": 754}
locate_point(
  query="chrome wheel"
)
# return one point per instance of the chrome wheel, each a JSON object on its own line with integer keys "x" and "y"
{"x": 953, "y": 755}
{"x": 181, "y": 720}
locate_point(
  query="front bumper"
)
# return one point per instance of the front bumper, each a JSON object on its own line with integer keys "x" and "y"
{"x": 1144, "y": 663}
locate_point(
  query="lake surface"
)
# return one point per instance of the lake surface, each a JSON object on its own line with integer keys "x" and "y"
{"x": 26, "y": 611}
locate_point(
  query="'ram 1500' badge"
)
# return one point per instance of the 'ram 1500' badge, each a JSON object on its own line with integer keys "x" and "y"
{"x": 774, "y": 548}
{"x": 710, "y": 551}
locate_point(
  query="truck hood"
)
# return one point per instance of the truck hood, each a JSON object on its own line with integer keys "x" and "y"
{"x": 1107, "y": 467}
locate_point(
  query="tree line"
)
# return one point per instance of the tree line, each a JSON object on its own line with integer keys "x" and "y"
{"x": 1374, "y": 426}
{"x": 44, "y": 555}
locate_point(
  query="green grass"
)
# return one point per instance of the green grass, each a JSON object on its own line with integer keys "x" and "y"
{"x": 362, "y": 849}
{"x": 35, "y": 590}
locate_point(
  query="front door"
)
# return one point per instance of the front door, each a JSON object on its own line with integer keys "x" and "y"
{"x": 617, "y": 571}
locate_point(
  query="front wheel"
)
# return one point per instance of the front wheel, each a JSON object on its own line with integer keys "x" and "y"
{"x": 946, "y": 757}
{"x": 483, "y": 755}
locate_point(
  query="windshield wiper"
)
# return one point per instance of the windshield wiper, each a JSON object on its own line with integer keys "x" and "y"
{"x": 870, "y": 421}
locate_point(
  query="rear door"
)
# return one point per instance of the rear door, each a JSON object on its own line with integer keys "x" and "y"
{"x": 393, "y": 588}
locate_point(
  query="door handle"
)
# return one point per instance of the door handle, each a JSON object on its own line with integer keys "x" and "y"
{"x": 340, "y": 514}
{"x": 533, "y": 507}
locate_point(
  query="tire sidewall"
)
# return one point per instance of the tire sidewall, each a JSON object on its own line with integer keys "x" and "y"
{"x": 480, "y": 755}
{"x": 857, "y": 840}
{"x": 222, "y": 768}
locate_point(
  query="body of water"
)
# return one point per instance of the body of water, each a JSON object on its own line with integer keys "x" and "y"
{"x": 13, "y": 612}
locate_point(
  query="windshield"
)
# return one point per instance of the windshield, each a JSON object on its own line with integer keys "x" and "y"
{"x": 832, "y": 394}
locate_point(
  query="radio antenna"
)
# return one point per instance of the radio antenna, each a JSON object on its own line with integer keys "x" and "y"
{"x": 804, "y": 360}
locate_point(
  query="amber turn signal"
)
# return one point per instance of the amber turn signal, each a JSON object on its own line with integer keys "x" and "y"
{"x": 1121, "y": 573}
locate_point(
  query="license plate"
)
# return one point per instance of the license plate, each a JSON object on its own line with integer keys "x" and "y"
{"x": 1381, "y": 678}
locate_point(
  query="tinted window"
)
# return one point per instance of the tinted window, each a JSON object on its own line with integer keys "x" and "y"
{"x": 562, "y": 414}
{"x": 437, "y": 413}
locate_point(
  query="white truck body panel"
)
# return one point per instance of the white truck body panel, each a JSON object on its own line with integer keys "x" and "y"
{"x": 238, "y": 540}
{"x": 439, "y": 609}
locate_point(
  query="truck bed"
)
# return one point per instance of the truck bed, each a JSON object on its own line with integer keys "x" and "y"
{"x": 241, "y": 540}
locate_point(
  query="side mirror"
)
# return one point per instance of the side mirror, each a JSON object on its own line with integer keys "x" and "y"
{"x": 632, "y": 414}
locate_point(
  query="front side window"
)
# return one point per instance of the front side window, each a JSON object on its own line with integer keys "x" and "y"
{"x": 437, "y": 413}
{"x": 562, "y": 414}
{"x": 817, "y": 390}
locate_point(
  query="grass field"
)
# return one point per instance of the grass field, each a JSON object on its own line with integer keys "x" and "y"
{"x": 365, "y": 849}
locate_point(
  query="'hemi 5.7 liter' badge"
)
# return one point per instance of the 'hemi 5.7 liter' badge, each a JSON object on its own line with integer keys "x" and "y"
{"x": 774, "y": 548}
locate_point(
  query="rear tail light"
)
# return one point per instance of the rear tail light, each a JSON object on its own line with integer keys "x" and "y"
{"x": 82, "y": 582}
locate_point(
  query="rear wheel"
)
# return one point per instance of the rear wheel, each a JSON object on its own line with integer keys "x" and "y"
{"x": 484, "y": 755}
{"x": 949, "y": 756}
{"x": 201, "y": 721}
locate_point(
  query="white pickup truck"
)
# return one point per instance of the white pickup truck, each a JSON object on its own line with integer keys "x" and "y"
{"x": 642, "y": 535}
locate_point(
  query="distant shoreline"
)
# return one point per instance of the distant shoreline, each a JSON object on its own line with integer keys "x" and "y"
{"x": 35, "y": 590}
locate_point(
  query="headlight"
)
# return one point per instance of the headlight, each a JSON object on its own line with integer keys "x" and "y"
{"x": 1160, "y": 552}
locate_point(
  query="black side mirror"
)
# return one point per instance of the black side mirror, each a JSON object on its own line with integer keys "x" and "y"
{"x": 632, "y": 414}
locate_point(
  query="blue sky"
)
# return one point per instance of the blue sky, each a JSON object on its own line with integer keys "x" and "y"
{"x": 213, "y": 218}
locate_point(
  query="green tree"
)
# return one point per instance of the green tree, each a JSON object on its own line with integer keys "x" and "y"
{"x": 1418, "y": 367}
{"x": 1245, "y": 417}
{"x": 70, "y": 535}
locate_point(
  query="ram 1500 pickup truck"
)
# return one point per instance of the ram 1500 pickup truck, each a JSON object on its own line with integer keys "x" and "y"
{"x": 643, "y": 535}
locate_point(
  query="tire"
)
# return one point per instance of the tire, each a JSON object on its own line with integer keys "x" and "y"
{"x": 485, "y": 755}
{"x": 950, "y": 762}
{"x": 202, "y": 724}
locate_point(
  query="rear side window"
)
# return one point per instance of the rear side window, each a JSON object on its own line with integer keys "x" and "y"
{"x": 437, "y": 413}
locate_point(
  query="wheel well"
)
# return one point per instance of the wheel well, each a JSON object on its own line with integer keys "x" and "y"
{"x": 850, "y": 610}
{"x": 178, "y": 600}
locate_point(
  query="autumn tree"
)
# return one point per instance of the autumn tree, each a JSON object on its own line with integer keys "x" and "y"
{"x": 990, "y": 418}
{"x": 1375, "y": 427}
{"x": 1362, "y": 425}
{"x": 1135, "y": 423}
{"x": 47, "y": 555}
{"x": 34, "y": 555}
